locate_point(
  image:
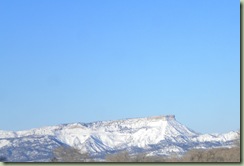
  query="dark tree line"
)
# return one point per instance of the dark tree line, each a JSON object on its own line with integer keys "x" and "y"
{"x": 196, "y": 155}
{"x": 69, "y": 154}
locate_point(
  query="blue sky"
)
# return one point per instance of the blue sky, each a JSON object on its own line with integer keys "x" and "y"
{"x": 82, "y": 61}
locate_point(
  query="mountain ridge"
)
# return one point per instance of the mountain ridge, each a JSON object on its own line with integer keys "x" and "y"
{"x": 157, "y": 135}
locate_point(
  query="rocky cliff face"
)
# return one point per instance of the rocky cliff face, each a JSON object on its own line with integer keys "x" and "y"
{"x": 160, "y": 135}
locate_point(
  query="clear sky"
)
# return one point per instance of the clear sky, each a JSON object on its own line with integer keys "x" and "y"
{"x": 67, "y": 61}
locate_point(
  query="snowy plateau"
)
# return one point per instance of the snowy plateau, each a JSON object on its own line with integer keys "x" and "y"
{"x": 160, "y": 135}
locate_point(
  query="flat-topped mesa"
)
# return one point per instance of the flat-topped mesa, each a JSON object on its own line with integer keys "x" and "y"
{"x": 163, "y": 117}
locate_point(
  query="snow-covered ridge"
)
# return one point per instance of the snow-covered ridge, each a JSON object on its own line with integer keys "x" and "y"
{"x": 160, "y": 135}
{"x": 217, "y": 137}
{"x": 50, "y": 130}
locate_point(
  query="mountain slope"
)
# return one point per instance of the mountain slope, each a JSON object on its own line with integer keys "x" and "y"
{"x": 161, "y": 135}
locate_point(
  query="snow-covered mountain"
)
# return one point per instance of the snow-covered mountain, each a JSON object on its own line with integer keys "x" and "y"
{"x": 160, "y": 135}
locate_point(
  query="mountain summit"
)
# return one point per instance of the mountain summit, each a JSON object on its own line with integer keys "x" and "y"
{"x": 159, "y": 135}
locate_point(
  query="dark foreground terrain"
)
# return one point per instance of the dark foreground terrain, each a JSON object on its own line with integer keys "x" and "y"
{"x": 196, "y": 155}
